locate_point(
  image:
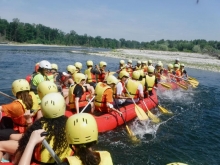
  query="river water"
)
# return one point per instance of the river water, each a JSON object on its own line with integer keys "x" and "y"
{"x": 191, "y": 135}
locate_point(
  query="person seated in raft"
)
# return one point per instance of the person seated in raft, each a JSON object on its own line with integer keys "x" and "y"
{"x": 138, "y": 66}
{"x": 159, "y": 70}
{"x": 28, "y": 77}
{"x": 177, "y": 73}
{"x": 91, "y": 73}
{"x": 78, "y": 128}
{"x": 41, "y": 75}
{"x": 102, "y": 73}
{"x": 134, "y": 89}
{"x": 183, "y": 71}
{"x": 129, "y": 67}
{"x": 177, "y": 61}
{"x": 120, "y": 97}
{"x": 104, "y": 95}
{"x": 79, "y": 94}
{"x": 144, "y": 66}
{"x": 122, "y": 66}
{"x": 142, "y": 80}
{"x": 53, "y": 122}
{"x": 78, "y": 66}
{"x": 56, "y": 76}
{"x": 151, "y": 81}
{"x": 14, "y": 121}
{"x": 150, "y": 63}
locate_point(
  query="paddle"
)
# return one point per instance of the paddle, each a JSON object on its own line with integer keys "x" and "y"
{"x": 50, "y": 150}
{"x": 131, "y": 134}
{"x": 194, "y": 83}
{"x": 162, "y": 109}
{"x": 154, "y": 118}
{"x": 4, "y": 94}
{"x": 87, "y": 104}
{"x": 138, "y": 110}
{"x": 180, "y": 85}
{"x": 165, "y": 85}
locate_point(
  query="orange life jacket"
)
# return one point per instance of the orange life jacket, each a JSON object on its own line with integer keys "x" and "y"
{"x": 90, "y": 76}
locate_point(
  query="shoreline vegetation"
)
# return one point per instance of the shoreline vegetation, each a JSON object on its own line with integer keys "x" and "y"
{"x": 191, "y": 60}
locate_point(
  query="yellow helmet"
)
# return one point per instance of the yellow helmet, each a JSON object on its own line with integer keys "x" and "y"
{"x": 136, "y": 75}
{"x": 150, "y": 69}
{"x": 141, "y": 72}
{"x": 130, "y": 61}
{"x": 176, "y": 66}
{"x": 54, "y": 66}
{"x": 102, "y": 63}
{"x": 53, "y": 105}
{"x": 112, "y": 80}
{"x": 138, "y": 62}
{"x": 123, "y": 74}
{"x": 71, "y": 69}
{"x": 182, "y": 64}
{"x": 122, "y": 62}
{"x": 170, "y": 66}
{"x": 144, "y": 62}
{"x": 78, "y": 65}
{"x": 89, "y": 63}
{"x": 46, "y": 87}
{"x": 78, "y": 77}
{"x": 20, "y": 85}
{"x": 150, "y": 61}
{"x": 81, "y": 128}
{"x": 159, "y": 63}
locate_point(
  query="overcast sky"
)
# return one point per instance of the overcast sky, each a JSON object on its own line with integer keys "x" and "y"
{"x": 140, "y": 20}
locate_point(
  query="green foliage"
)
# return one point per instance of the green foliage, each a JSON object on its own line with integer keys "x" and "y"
{"x": 39, "y": 34}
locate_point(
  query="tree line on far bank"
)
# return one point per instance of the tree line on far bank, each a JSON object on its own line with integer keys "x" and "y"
{"x": 17, "y": 31}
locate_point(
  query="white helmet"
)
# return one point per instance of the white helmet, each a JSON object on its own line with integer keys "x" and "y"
{"x": 45, "y": 64}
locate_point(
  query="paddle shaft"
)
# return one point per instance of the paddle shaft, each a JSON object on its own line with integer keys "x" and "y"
{"x": 87, "y": 104}
{"x": 153, "y": 100}
{"x": 4, "y": 94}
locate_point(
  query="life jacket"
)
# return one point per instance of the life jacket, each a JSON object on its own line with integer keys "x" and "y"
{"x": 35, "y": 106}
{"x": 150, "y": 82}
{"x": 20, "y": 121}
{"x": 144, "y": 68}
{"x": 138, "y": 67}
{"x": 82, "y": 101}
{"x": 43, "y": 156}
{"x": 100, "y": 100}
{"x": 178, "y": 74}
{"x": 101, "y": 77}
{"x": 132, "y": 87}
{"x": 90, "y": 76}
{"x": 104, "y": 155}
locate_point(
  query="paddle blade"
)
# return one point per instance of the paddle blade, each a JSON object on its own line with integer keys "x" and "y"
{"x": 192, "y": 78}
{"x": 111, "y": 73}
{"x": 153, "y": 117}
{"x": 182, "y": 86}
{"x": 140, "y": 113}
{"x": 163, "y": 110}
{"x": 131, "y": 134}
{"x": 165, "y": 85}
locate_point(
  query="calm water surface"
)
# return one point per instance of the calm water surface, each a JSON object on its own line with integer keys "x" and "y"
{"x": 191, "y": 135}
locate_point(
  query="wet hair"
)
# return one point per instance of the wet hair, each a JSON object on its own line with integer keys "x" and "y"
{"x": 26, "y": 98}
{"x": 87, "y": 156}
{"x": 55, "y": 128}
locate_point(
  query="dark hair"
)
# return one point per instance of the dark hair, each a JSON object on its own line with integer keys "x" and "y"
{"x": 86, "y": 155}
{"x": 26, "y": 98}
{"x": 54, "y": 127}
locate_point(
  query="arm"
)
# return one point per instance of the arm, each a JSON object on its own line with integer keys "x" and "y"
{"x": 28, "y": 152}
{"x": 77, "y": 104}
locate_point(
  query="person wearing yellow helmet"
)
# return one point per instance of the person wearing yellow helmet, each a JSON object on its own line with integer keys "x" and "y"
{"x": 129, "y": 67}
{"x": 122, "y": 66}
{"x": 150, "y": 63}
{"x": 144, "y": 66}
{"x": 177, "y": 72}
{"x": 91, "y": 73}
{"x": 134, "y": 88}
{"x": 151, "y": 81}
{"x": 102, "y": 73}
{"x": 158, "y": 70}
{"x": 78, "y": 66}
{"x": 56, "y": 76}
{"x": 120, "y": 97}
{"x": 138, "y": 66}
{"x": 53, "y": 122}
{"x": 104, "y": 95}
{"x": 78, "y": 94}
{"x": 82, "y": 127}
